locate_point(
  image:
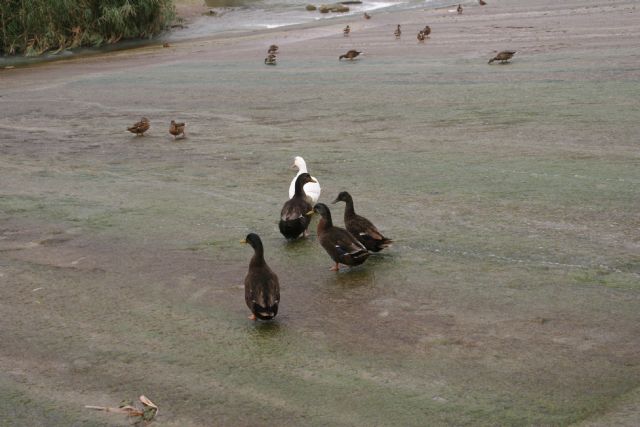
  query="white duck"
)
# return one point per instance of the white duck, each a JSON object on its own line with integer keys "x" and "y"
{"x": 311, "y": 189}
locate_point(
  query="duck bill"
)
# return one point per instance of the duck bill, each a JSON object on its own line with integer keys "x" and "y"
{"x": 311, "y": 212}
{"x": 243, "y": 241}
{"x": 313, "y": 180}
{"x": 335, "y": 201}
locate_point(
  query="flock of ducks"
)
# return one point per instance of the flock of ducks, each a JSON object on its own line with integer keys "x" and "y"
{"x": 349, "y": 246}
{"x": 503, "y": 56}
{"x": 139, "y": 128}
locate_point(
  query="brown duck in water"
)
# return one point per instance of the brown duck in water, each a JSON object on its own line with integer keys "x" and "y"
{"x": 350, "y": 55}
{"x": 177, "y": 129}
{"x": 346, "y": 31}
{"x": 295, "y": 215}
{"x": 426, "y": 30}
{"x": 397, "y": 32}
{"x": 420, "y": 37}
{"x": 139, "y": 128}
{"x": 270, "y": 59}
{"x": 459, "y": 9}
{"x": 503, "y": 56}
{"x": 482, "y": 2}
{"x": 361, "y": 227}
{"x": 261, "y": 286}
{"x": 273, "y": 49}
{"x": 367, "y": 16}
{"x": 341, "y": 245}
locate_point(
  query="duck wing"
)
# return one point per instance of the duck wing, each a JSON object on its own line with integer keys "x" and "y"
{"x": 262, "y": 293}
{"x": 367, "y": 233}
{"x": 294, "y": 209}
{"x": 344, "y": 247}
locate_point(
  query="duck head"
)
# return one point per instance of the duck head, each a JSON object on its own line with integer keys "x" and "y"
{"x": 343, "y": 197}
{"x": 324, "y": 211}
{"x": 300, "y": 164}
{"x": 254, "y": 240}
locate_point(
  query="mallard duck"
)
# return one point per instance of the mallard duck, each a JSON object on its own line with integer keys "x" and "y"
{"x": 312, "y": 189}
{"x": 139, "y": 128}
{"x": 503, "y": 56}
{"x": 177, "y": 129}
{"x": 361, "y": 227}
{"x": 426, "y": 30}
{"x": 421, "y": 37}
{"x": 367, "y": 16}
{"x": 261, "y": 287}
{"x": 397, "y": 32}
{"x": 273, "y": 49}
{"x": 346, "y": 31}
{"x": 341, "y": 245}
{"x": 350, "y": 55}
{"x": 459, "y": 9}
{"x": 295, "y": 217}
{"x": 270, "y": 59}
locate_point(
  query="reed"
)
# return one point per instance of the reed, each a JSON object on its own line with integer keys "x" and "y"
{"x": 31, "y": 27}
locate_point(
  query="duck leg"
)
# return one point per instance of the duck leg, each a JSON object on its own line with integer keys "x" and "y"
{"x": 252, "y": 317}
{"x": 335, "y": 267}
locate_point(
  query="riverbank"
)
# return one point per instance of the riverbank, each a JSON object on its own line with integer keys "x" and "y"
{"x": 509, "y": 298}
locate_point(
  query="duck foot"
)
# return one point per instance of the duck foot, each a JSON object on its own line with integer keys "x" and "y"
{"x": 335, "y": 267}
{"x": 252, "y": 317}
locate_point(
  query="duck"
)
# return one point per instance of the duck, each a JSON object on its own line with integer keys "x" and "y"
{"x": 397, "y": 32}
{"x": 367, "y": 16}
{"x": 420, "y": 37}
{"x": 261, "y": 286}
{"x": 361, "y": 228}
{"x": 270, "y": 59}
{"x": 482, "y": 2}
{"x": 503, "y": 56}
{"x": 177, "y": 129}
{"x": 294, "y": 216}
{"x": 426, "y": 30}
{"x": 341, "y": 245}
{"x": 139, "y": 128}
{"x": 352, "y": 54}
{"x": 346, "y": 31}
{"x": 459, "y": 9}
{"x": 273, "y": 49}
{"x": 312, "y": 189}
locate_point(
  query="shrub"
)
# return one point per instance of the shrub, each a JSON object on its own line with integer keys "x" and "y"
{"x": 32, "y": 27}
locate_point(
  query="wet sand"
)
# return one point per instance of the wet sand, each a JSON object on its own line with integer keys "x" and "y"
{"x": 512, "y": 191}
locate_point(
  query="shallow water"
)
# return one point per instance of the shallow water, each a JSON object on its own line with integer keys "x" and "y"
{"x": 241, "y": 16}
{"x": 509, "y": 298}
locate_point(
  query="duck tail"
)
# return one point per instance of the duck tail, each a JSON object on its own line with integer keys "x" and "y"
{"x": 263, "y": 313}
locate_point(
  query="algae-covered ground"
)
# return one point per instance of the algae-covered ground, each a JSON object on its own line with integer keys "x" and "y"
{"x": 510, "y": 297}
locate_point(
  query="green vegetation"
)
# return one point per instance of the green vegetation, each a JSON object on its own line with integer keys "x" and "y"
{"x": 31, "y": 27}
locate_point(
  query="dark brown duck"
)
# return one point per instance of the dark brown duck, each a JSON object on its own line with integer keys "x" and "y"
{"x": 361, "y": 228}
{"x": 261, "y": 286}
{"x": 295, "y": 216}
{"x": 341, "y": 246}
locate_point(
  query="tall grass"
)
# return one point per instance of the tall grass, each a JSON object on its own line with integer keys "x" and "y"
{"x": 31, "y": 27}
